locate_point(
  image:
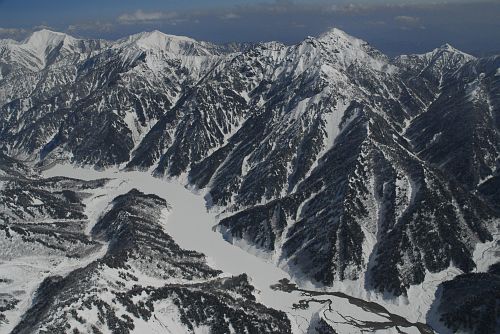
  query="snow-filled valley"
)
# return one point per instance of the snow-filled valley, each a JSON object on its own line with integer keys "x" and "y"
{"x": 191, "y": 225}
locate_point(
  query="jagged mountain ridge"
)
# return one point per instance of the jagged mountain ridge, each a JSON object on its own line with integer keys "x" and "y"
{"x": 327, "y": 154}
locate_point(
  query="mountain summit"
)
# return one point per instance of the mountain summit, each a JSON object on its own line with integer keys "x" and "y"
{"x": 46, "y": 38}
{"x": 156, "y": 40}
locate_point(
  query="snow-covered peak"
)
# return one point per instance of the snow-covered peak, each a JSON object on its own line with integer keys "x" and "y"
{"x": 444, "y": 50}
{"x": 336, "y": 34}
{"x": 44, "y": 47}
{"x": 447, "y": 48}
{"x": 436, "y": 63}
{"x": 40, "y": 45}
{"x": 347, "y": 49}
{"x": 446, "y": 55}
{"x": 43, "y": 39}
{"x": 157, "y": 40}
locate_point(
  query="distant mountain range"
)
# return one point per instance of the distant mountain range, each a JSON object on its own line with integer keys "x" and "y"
{"x": 336, "y": 163}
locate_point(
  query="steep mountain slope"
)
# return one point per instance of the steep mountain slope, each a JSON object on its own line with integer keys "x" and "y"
{"x": 469, "y": 302}
{"x": 322, "y": 140}
{"x": 42, "y": 233}
{"x": 460, "y": 131}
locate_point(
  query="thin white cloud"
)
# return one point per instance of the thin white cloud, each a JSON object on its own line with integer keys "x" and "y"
{"x": 348, "y": 8}
{"x": 230, "y": 16}
{"x": 12, "y": 32}
{"x": 140, "y": 16}
{"x": 91, "y": 26}
{"x": 43, "y": 26}
{"x": 407, "y": 20}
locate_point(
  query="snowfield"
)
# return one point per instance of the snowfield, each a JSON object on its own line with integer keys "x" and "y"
{"x": 191, "y": 225}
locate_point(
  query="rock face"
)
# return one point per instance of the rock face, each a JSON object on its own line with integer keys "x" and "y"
{"x": 339, "y": 162}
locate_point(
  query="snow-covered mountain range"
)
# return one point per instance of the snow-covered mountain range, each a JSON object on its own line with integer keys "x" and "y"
{"x": 347, "y": 169}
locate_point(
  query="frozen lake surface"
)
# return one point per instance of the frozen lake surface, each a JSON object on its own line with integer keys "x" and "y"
{"x": 190, "y": 224}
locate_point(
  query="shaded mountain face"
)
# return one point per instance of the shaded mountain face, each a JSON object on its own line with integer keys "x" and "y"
{"x": 339, "y": 162}
{"x": 470, "y": 303}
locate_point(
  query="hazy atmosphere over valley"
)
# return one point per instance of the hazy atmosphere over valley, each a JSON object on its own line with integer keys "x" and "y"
{"x": 319, "y": 167}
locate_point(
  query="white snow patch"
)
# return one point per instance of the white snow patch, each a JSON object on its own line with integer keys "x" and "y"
{"x": 332, "y": 130}
{"x": 487, "y": 253}
{"x": 36, "y": 201}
